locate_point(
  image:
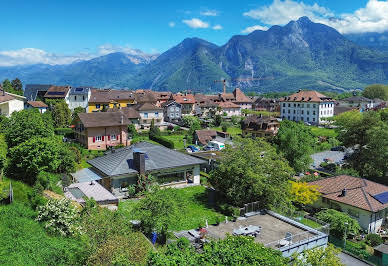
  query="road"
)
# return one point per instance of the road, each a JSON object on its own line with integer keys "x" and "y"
{"x": 351, "y": 261}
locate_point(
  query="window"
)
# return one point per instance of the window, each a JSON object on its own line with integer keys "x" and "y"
{"x": 308, "y": 105}
{"x": 75, "y": 97}
{"x": 156, "y": 114}
{"x": 314, "y": 105}
{"x": 284, "y": 111}
{"x": 302, "y": 112}
{"x": 177, "y": 114}
{"x": 145, "y": 115}
{"x": 294, "y": 104}
{"x": 313, "y": 112}
{"x": 308, "y": 112}
{"x": 98, "y": 106}
{"x": 289, "y": 111}
{"x": 113, "y": 137}
{"x": 298, "y": 104}
{"x": 83, "y": 98}
{"x": 302, "y": 105}
{"x": 313, "y": 119}
{"x": 294, "y": 111}
{"x": 128, "y": 105}
{"x": 284, "y": 105}
{"x": 172, "y": 114}
{"x": 289, "y": 105}
{"x": 288, "y": 117}
{"x": 98, "y": 138}
{"x": 308, "y": 119}
{"x": 353, "y": 213}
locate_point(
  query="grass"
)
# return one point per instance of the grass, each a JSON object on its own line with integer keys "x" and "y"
{"x": 310, "y": 223}
{"x": 20, "y": 190}
{"x": 195, "y": 210}
{"x": 231, "y": 130}
{"x": 324, "y": 132}
{"x": 178, "y": 141}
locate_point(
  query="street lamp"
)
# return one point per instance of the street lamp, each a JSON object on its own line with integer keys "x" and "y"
{"x": 346, "y": 226}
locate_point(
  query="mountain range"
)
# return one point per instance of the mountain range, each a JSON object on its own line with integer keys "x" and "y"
{"x": 299, "y": 55}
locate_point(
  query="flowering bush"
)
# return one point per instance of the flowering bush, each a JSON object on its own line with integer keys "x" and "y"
{"x": 59, "y": 217}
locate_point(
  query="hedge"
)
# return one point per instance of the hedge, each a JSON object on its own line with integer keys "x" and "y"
{"x": 161, "y": 140}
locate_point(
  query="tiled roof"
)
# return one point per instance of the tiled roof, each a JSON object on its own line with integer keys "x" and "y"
{"x": 169, "y": 103}
{"x": 205, "y": 135}
{"x": 158, "y": 158}
{"x": 129, "y": 112}
{"x": 116, "y": 95}
{"x": 145, "y": 96}
{"x": 227, "y": 96}
{"x": 257, "y": 122}
{"x": 240, "y": 97}
{"x": 163, "y": 95}
{"x": 99, "y": 96}
{"x": 357, "y": 99}
{"x": 57, "y": 92}
{"x": 342, "y": 109}
{"x": 228, "y": 105}
{"x": 184, "y": 99}
{"x": 6, "y": 97}
{"x": 37, "y": 104}
{"x": 103, "y": 119}
{"x": 307, "y": 96}
{"x": 359, "y": 193}
{"x": 147, "y": 107}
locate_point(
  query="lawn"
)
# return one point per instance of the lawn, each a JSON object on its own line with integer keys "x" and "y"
{"x": 324, "y": 132}
{"x": 178, "y": 141}
{"x": 194, "y": 212}
{"x": 231, "y": 130}
{"x": 310, "y": 223}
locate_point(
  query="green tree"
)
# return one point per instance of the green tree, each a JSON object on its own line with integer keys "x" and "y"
{"x": 61, "y": 114}
{"x": 233, "y": 250}
{"x": 295, "y": 141}
{"x": 253, "y": 171}
{"x": 154, "y": 130}
{"x": 339, "y": 222}
{"x": 7, "y": 86}
{"x": 224, "y": 127}
{"x": 379, "y": 91}
{"x": 39, "y": 154}
{"x": 217, "y": 120}
{"x": 156, "y": 210}
{"x": 26, "y": 124}
{"x": 76, "y": 111}
{"x": 3, "y": 154}
{"x": 318, "y": 257}
{"x": 17, "y": 85}
{"x": 132, "y": 132}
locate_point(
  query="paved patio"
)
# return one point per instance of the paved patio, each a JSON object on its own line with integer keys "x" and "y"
{"x": 273, "y": 229}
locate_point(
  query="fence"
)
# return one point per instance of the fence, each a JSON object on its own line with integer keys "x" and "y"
{"x": 356, "y": 250}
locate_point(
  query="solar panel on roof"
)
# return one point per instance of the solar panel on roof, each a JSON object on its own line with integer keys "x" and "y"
{"x": 382, "y": 197}
{"x": 79, "y": 89}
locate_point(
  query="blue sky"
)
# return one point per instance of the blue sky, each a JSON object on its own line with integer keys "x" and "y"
{"x": 63, "y": 31}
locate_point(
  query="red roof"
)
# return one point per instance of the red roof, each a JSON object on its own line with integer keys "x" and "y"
{"x": 359, "y": 191}
{"x": 184, "y": 99}
{"x": 37, "y": 104}
{"x": 240, "y": 97}
{"x": 228, "y": 105}
{"x": 6, "y": 97}
{"x": 307, "y": 96}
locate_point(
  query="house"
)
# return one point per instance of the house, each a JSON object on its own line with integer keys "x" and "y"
{"x": 36, "y": 92}
{"x": 364, "y": 200}
{"x": 203, "y": 136}
{"x": 241, "y": 99}
{"x": 266, "y": 104}
{"x": 359, "y": 102}
{"x": 260, "y": 126}
{"x": 162, "y": 97}
{"x": 104, "y": 99}
{"x": 121, "y": 167}
{"x": 58, "y": 92}
{"x": 187, "y": 101}
{"x": 130, "y": 113}
{"x": 230, "y": 108}
{"x": 10, "y": 103}
{"x": 172, "y": 111}
{"x": 308, "y": 106}
{"x": 146, "y": 96}
{"x": 79, "y": 97}
{"x": 41, "y": 106}
{"x": 101, "y": 130}
{"x": 205, "y": 105}
{"x": 149, "y": 112}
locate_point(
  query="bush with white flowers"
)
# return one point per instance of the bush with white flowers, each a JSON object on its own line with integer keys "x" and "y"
{"x": 59, "y": 217}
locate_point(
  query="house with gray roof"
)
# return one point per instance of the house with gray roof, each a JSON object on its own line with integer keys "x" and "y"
{"x": 121, "y": 167}
{"x": 79, "y": 97}
{"x": 34, "y": 92}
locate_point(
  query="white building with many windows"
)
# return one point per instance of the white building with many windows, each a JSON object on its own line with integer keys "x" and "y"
{"x": 307, "y": 106}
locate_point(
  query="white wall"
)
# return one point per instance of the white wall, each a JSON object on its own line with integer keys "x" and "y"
{"x": 7, "y": 108}
{"x": 307, "y": 112}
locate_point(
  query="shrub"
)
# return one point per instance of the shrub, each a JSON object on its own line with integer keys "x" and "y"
{"x": 77, "y": 154}
{"x": 161, "y": 140}
{"x": 339, "y": 222}
{"x": 63, "y": 131}
{"x": 224, "y": 127}
{"x": 35, "y": 196}
{"x": 59, "y": 217}
{"x": 374, "y": 240}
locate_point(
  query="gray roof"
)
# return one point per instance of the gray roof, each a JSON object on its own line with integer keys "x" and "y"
{"x": 79, "y": 91}
{"x": 382, "y": 248}
{"x": 89, "y": 189}
{"x": 158, "y": 157}
{"x": 85, "y": 175}
{"x": 31, "y": 90}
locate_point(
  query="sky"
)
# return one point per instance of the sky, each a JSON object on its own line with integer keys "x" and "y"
{"x": 63, "y": 31}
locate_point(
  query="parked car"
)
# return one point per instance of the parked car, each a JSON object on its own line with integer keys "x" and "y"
{"x": 338, "y": 148}
{"x": 208, "y": 148}
{"x": 217, "y": 145}
{"x": 192, "y": 148}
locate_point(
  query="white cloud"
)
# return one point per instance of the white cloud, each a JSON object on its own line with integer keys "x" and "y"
{"x": 217, "y": 27}
{"x": 253, "y": 28}
{"x": 171, "y": 24}
{"x": 209, "y": 13}
{"x": 196, "y": 23}
{"x": 371, "y": 18}
{"x": 29, "y": 56}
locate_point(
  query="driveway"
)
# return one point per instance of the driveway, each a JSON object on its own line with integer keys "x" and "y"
{"x": 318, "y": 158}
{"x": 351, "y": 261}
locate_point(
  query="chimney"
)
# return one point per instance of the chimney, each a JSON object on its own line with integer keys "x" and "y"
{"x": 343, "y": 192}
{"x": 139, "y": 162}
{"x": 299, "y": 90}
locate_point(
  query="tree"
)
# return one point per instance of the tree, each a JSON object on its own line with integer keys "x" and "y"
{"x": 318, "y": 257}
{"x": 77, "y": 111}
{"x": 3, "y": 154}
{"x": 295, "y": 141}
{"x": 61, "y": 114}
{"x": 339, "y": 222}
{"x": 26, "y": 124}
{"x": 132, "y": 132}
{"x": 7, "y": 86}
{"x": 224, "y": 127}
{"x": 154, "y": 130}
{"x": 156, "y": 210}
{"x": 252, "y": 171}
{"x": 39, "y": 154}
{"x": 17, "y": 85}
{"x": 217, "y": 120}
{"x": 303, "y": 193}
{"x": 379, "y": 91}
{"x": 233, "y": 250}
{"x": 59, "y": 217}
